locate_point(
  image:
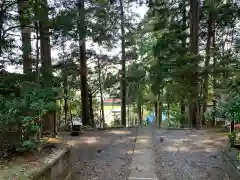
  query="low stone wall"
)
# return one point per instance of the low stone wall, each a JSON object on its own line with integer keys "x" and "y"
{"x": 57, "y": 166}
{"x": 229, "y": 157}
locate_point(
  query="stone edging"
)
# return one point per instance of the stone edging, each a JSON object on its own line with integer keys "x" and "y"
{"x": 232, "y": 171}
{"x": 57, "y": 168}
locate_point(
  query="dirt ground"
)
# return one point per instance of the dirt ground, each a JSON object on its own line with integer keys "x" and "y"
{"x": 183, "y": 154}
{"x": 102, "y": 155}
{"x": 189, "y": 155}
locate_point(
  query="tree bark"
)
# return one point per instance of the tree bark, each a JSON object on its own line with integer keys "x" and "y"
{"x": 139, "y": 111}
{"x": 65, "y": 82}
{"x": 128, "y": 115}
{"x": 182, "y": 108}
{"x": 24, "y": 19}
{"x": 123, "y": 63}
{"x": 36, "y": 25}
{"x": 37, "y": 53}
{"x": 190, "y": 115}
{"x": 160, "y": 113}
{"x": 45, "y": 44}
{"x": 83, "y": 63}
{"x": 65, "y": 104}
{"x": 184, "y": 28}
{"x": 194, "y": 28}
{"x": 207, "y": 60}
{"x": 91, "y": 112}
{"x": 156, "y": 113}
{"x": 49, "y": 120}
{"x": 232, "y": 126}
{"x": 102, "y": 116}
{"x": 214, "y": 76}
{"x": 168, "y": 111}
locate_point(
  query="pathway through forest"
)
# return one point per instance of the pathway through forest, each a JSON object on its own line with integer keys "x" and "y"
{"x": 102, "y": 154}
{"x": 183, "y": 154}
{"x": 189, "y": 155}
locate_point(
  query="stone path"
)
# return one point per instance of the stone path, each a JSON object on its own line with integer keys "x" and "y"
{"x": 189, "y": 155}
{"x": 102, "y": 155}
{"x": 143, "y": 165}
{"x": 126, "y": 154}
{"x": 183, "y": 154}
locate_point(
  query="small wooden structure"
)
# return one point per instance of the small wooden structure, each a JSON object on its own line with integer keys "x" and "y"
{"x": 76, "y": 125}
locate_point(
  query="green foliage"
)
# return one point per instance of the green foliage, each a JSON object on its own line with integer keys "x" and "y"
{"x": 220, "y": 112}
{"x": 25, "y": 112}
{"x": 231, "y": 138}
{"x": 175, "y": 115}
{"x": 238, "y": 157}
{"x": 233, "y": 107}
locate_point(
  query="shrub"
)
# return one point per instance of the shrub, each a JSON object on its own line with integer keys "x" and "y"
{"x": 231, "y": 138}
{"x": 26, "y": 111}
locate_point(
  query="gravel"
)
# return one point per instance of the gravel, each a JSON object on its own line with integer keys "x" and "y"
{"x": 188, "y": 155}
{"x": 102, "y": 155}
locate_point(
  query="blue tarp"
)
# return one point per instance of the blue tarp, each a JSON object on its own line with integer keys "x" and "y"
{"x": 151, "y": 117}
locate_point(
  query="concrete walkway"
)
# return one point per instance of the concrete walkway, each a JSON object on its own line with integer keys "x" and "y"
{"x": 143, "y": 163}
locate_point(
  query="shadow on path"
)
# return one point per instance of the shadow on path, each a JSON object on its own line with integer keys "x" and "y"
{"x": 189, "y": 155}
{"x": 102, "y": 155}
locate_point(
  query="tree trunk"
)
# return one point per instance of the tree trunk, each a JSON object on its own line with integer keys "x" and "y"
{"x": 65, "y": 83}
{"x": 232, "y": 126}
{"x": 123, "y": 63}
{"x": 65, "y": 109}
{"x": 207, "y": 60}
{"x": 139, "y": 111}
{"x": 214, "y": 76}
{"x": 168, "y": 111}
{"x": 91, "y": 112}
{"x": 156, "y": 113}
{"x": 49, "y": 120}
{"x": 83, "y": 63}
{"x": 159, "y": 113}
{"x": 36, "y": 25}
{"x": 190, "y": 115}
{"x": 60, "y": 114}
{"x": 184, "y": 28}
{"x": 45, "y": 44}
{"x": 182, "y": 108}
{"x": 194, "y": 28}
{"x": 37, "y": 53}
{"x": 128, "y": 115}
{"x": 24, "y": 19}
{"x": 102, "y": 116}
{"x": 2, "y": 19}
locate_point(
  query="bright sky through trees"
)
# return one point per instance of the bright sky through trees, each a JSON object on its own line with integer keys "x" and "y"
{"x": 54, "y": 52}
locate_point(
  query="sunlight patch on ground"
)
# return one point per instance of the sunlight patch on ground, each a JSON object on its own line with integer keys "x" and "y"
{"x": 136, "y": 151}
{"x": 180, "y": 140}
{"x": 193, "y": 135}
{"x": 87, "y": 140}
{"x": 72, "y": 143}
{"x": 207, "y": 141}
{"x": 143, "y": 140}
{"x": 119, "y": 141}
{"x": 189, "y": 149}
{"x": 129, "y": 152}
{"x": 175, "y": 149}
{"x": 209, "y": 149}
{"x": 54, "y": 140}
{"x": 92, "y": 140}
{"x": 144, "y": 137}
{"x": 218, "y": 143}
{"x": 82, "y": 140}
{"x": 119, "y": 132}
